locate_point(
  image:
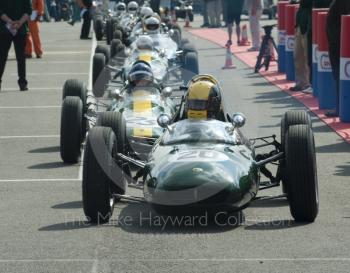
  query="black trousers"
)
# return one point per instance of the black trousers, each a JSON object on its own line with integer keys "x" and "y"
{"x": 19, "y": 42}
{"x": 85, "y": 28}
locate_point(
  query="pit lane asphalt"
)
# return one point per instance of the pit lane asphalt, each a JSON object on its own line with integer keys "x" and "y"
{"x": 42, "y": 226}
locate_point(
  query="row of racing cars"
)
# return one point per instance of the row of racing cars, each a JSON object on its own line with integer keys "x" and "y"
{"x": 151, "y": 121}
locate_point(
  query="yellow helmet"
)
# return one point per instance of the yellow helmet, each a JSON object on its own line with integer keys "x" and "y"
{"x": 203, "y": 99}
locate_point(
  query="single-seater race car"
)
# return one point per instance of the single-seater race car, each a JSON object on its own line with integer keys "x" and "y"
{"x": 205, "y": 162}
{"x": 136, "y": 106}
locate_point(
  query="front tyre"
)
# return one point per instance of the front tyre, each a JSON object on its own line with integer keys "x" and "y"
{"x": 98, "y": 201}
{"x": 72, "y": 132}
{"x": 301, "y": 173}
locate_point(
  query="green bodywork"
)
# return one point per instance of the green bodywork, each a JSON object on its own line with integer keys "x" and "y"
{"x": 205, "y": 174}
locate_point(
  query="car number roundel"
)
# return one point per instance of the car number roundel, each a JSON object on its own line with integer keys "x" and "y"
{"x": 198, "y": 156}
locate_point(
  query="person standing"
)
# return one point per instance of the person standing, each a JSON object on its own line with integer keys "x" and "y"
{"x": 75, "y": 13}
{"x": 255, "y": 9}
{"x": 205, "y": 13}
{"x": 214, "y": 13}
{"x": 333, "y": 29}
{"x": 321, "y": 3}
{"x": 14, "y": 15}
{"x": 301, "y": 59}
{"x": 86, "y": 5}
{"x": 33, "y": 37}
{"x": 234, "y": 11}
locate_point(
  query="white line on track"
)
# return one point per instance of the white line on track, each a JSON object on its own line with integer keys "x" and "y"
{"x": 33, "y": 89}
{"x": 29, "y": 107}
{"x": 93, "y": 46}
{"x": 38, "y": 136}
{"x": 60, "y": 62}
{"x": 314, "y": 259}
{"x": 53, "y": 74}
{"x": 39, "y": 180}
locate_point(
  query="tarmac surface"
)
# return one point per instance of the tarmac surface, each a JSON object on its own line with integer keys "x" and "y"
{"x": 43, "y": 227}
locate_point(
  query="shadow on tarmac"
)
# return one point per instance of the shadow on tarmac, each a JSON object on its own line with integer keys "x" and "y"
{"x": 343, "y": 170}
{"x": 274, "y": 225}
{"x": 48, "y": 165}
{"x": 69, "y": 205}
{"x": 43, "y": 150}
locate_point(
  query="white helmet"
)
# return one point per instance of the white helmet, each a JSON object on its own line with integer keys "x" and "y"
{"x": 144, "y": 43}
{"x": 133, "y": 7}
{"x": 120, "y": 8}
{"x": 145, "y": 11}
{"x": 151, "y": 24}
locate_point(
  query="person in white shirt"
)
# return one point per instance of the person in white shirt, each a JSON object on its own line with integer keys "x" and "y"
{"x": 255, "y": 9}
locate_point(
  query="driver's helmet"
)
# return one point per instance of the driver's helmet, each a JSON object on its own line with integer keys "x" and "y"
{"x": 120, "y": 8}
{"x": 151, "y": 24}
{"x": 203, "y": 99}
{"x": 140, "y": 74}
{"x": 144, "y": 43}
{"x": 133, "y": 7}
{"x": 145, "y": 11}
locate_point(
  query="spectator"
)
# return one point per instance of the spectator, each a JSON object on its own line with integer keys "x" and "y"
{"x": 86, "y": 5}
{"x": 234, "y": 11}
{"x": 205, "y": 13}
{"x": 75, "y": 13}
{"x": 14, "y": 15}
{"x": 33, "y": 37}
{"x": 53, "y": 9}
{"x": 224, "y": 10}
{"x": 322, "y": 3}
{"x": 302, "y": 67}
{"x": 255, "y": 9}
{"x": 333, "y": 28}
{"x": 214, "y": 13}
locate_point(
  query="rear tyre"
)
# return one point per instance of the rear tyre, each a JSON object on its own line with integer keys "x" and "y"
{"x": 176, "y": 37}
{"x": 117, "y": 48}
{"x": 290, "y": 118}
{"x": 118, "y": 35}
{"x": 75, "y": 88}
{"x": 99, "y": 76}
{"x": 103, "y": 49}
{"x": 116, "y": 121}
{"x": 99, "y": 29}
{"x": 109, "y": 32}
{"x": 301, "y": 171}
{"x": 98, "y": 201}
{"x": 190, "y": 67}
{"x": 293, "y": 117}
{"x": 184, "y": 41}
{"x": 72, "y": 131}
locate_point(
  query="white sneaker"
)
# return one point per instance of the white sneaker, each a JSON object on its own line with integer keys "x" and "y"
{"x": 307, "y": 90}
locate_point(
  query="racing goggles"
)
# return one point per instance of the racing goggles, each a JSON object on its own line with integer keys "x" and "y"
{"x": 199, "y": 105}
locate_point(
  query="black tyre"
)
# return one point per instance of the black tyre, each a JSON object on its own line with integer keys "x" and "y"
{"x": 190, "y": 67}
{"x": 109, "y": 32}
{"x": 75, "y": 88}
{"x": 99, "y": 74}
{"x": 99, "y": 29}
{"x": 116, "y": 121}
{"x": 301, "y": 173}
{"x": 103, "y": 49}
{"x": 187, "y": 47}
{"x": 118, "y": 35}
{"x": 117, "y": 48}
{"x": 98, "y": 201}
{"x": 293, "y": 117}
{"x": 176, "y": 36}
{"x": 72, "y": 131}
{"x": 290, "y": 118}
{"x": 184, "y": 41}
